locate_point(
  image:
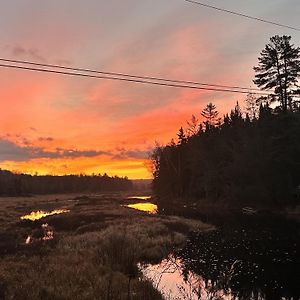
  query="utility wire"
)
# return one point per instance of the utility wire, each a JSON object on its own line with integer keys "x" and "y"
{"x": 242, "y": 15}
{"x": 127, "y": 75}
{"x": 127, "y": 79}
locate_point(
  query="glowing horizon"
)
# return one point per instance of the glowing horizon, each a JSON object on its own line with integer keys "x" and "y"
{"x": 54, "y": 124}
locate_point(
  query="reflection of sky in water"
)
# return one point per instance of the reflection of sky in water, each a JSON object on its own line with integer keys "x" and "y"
{"x": 139, "y": 197}
{"x": 36, "y": 215}
{"x": 256, "y": 257}
{"x": 148, "y": 207}
{"x": 168, "y": 277}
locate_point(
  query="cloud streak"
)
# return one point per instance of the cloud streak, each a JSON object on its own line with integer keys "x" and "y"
{"x": 10, "y": 151}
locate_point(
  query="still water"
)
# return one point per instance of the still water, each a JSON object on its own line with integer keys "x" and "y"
{"x": 39, "y": 214}
{"x": 245, "y": 258}
{"x": 171, "y": 279}
{"x": 147, "y": 207}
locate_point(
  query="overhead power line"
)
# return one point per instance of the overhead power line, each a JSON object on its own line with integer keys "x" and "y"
{"x": 128, "y": 79}
{"x": 126, "y": 75}
{"x": 242, "y": 15}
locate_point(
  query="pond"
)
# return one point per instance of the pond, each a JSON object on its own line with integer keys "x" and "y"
{"x": 175, "y": 283}
{"x": 39, "y": 214}
{"x": 246, "y": 257}
{"x": 147, "y": 207}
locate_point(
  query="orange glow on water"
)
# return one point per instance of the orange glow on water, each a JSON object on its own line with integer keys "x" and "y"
{"x": 148, "y": 207}
{"x": 36, "y": 215}
{"x": 168, "y": 278}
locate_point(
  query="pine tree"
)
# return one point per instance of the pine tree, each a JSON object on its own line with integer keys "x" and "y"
{"x": 278, "y": 70}
{"x": 210, "y": 114}
{"x": 182, "y": 139}
{"x": 236, "y": 114}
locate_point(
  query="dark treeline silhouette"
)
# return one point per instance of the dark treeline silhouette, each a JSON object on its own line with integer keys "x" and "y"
{"x": 12, "y": 184}
{"x": 238, "y": 161}
{"x": 251, "y": 158}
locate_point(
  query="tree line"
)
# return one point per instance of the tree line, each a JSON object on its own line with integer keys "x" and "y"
{"x": 250, "y": 157}
{"x": 12, "y": 184}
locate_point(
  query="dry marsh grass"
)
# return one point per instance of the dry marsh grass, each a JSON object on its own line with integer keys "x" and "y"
{"x": 95, "y": 251}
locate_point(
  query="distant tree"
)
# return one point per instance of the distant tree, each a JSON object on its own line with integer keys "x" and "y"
{"x": 247, "y": 119}
{"x": 155, "y": 157}
{"x": 182, "y": 139}
{"x": 12, "y": 184}
{"x": 193, "y": 126}
{"x": 210, "y": 114}
{"x": 236, "y": 116}
{"x": 279, "y": 69}
{"x": 252, "y": 106}
{"x": 265, "y": 112}
{"x": 172, "y": 143}
{"x": 226, "y": 121}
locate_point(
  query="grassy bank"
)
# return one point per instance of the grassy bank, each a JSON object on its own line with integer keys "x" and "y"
{"x": 94, "y": 253}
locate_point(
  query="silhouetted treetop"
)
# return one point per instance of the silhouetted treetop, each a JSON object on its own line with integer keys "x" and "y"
{"x": 242, "y": 161}
{"x": 182, "y": 138}
{"x": 210, "y": 115}
{"x": 278, "y": 70}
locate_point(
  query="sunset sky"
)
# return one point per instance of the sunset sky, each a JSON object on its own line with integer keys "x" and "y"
{"x": 55, "y": 124}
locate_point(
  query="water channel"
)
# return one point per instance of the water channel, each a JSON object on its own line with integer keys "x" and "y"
{"x": 247, "y": 257}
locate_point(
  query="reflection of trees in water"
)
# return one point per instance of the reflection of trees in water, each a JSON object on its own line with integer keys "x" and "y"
{"x": 199, "y": 288}
{"x": 245, "y": 263}
{"x": 217, "y": 289}
{"x": 247, "y": 258}
{"x": 177, "y": 283}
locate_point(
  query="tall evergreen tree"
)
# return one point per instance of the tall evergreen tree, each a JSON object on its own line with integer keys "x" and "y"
{"x": 181, "y": 136}
{"x": 210, "y": 114}
{"x": 278, "y": 70}
{"x": 236, "y": 115}
{"x": 244, "y": 161}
